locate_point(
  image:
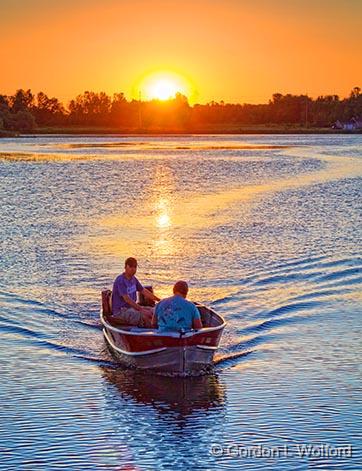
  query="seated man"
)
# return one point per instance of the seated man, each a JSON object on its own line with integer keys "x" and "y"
{"x": 124, "y": 297}
{"x": 176, "y": 313}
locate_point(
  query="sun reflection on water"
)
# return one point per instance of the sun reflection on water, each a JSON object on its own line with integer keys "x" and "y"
{"x": 163, "y": 217}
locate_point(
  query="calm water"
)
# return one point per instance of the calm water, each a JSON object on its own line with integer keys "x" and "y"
{"x": 267, "y": 231}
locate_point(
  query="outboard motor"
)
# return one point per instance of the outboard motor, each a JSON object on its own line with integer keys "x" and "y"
{"x": 106, "y": 302}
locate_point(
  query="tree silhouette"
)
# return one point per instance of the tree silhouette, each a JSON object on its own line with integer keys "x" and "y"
{"x": 22, "y": 111}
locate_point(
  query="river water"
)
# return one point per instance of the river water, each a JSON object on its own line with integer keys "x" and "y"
{"x": 266, "y": 230}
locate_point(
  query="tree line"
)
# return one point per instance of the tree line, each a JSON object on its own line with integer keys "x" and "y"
{"x": 25, "y": 111}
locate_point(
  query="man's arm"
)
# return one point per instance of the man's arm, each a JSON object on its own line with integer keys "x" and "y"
{"x": 149, "y": 295}
{"x": 196, "y": 319}
{"x": 154, "y": 321}
{"x": 132, "y": 303}
{"x": 197, "y": 324}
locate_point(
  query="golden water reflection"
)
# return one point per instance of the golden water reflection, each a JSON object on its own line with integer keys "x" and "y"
{"x": 163, "y": 218}
{"x": 162, "y": 194}
{"x": 167, "y": 221}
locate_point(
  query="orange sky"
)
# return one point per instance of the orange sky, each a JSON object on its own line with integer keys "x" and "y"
{"x": 231, "y": 50}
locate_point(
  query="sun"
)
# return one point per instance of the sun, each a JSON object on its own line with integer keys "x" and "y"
{"x": 162, "y": 85}
{"x": 163, "y": 89}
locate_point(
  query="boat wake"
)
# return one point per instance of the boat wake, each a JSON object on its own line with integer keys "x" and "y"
{"x": 270, "y": 307}
{"x": 273, "y": 305}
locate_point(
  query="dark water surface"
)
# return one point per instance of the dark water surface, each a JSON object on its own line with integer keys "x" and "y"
{"x": 266, "y": 229}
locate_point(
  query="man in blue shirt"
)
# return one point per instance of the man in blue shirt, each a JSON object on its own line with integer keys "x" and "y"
{"x": 176, "y": 313}
{"x": 124, "y": 297}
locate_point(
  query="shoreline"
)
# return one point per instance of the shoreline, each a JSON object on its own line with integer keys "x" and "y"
{"x": 98, "y": 131}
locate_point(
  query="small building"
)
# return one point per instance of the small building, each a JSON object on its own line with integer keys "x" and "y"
{"x": 353, "y": 124}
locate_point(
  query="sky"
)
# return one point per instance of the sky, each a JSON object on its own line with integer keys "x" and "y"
{"x": 233, "y": 50}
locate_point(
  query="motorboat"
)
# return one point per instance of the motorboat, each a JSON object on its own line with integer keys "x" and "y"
{"x": 184, "y": 353}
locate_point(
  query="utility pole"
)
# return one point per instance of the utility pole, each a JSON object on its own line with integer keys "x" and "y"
{"x": 139, "y": 110}
{"x": 306, "y": 110}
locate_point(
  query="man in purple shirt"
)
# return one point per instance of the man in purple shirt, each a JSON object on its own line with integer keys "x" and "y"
{"x": 124, "y": 297}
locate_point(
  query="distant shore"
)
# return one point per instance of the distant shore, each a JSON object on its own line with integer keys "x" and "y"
{"x": 256, "y": 129}
{"x": 4, "y": 133}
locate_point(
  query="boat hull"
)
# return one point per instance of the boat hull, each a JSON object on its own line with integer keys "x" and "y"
{"x": 182, "y": 360}
{"x": 181, "y": 354}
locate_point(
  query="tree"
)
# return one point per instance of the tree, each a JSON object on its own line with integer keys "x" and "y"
{"x": 355, "y": 93}
{"x": 24, "y": 121}
{"x": 48, "y": 110}
{"x": 120, "y": 110}
{"x": 90, "y": 108}
{"x": 22, "y": 101}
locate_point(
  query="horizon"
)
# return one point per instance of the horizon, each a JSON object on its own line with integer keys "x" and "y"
{"x": 236, "y": 53}
{"x": 171, "y": 98}
{"x": 25, "y": 111}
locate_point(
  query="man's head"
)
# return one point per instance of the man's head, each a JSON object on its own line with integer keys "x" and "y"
{"x": 130, "y": 266}
{"x": 181, "y": 288}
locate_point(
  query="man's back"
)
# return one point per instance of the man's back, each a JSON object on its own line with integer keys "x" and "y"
{"x": 176, "y": 313}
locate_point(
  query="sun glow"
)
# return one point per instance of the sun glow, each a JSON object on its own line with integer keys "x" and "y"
{"x": 163, "y": 89}
{"x": 163, "y": 86}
